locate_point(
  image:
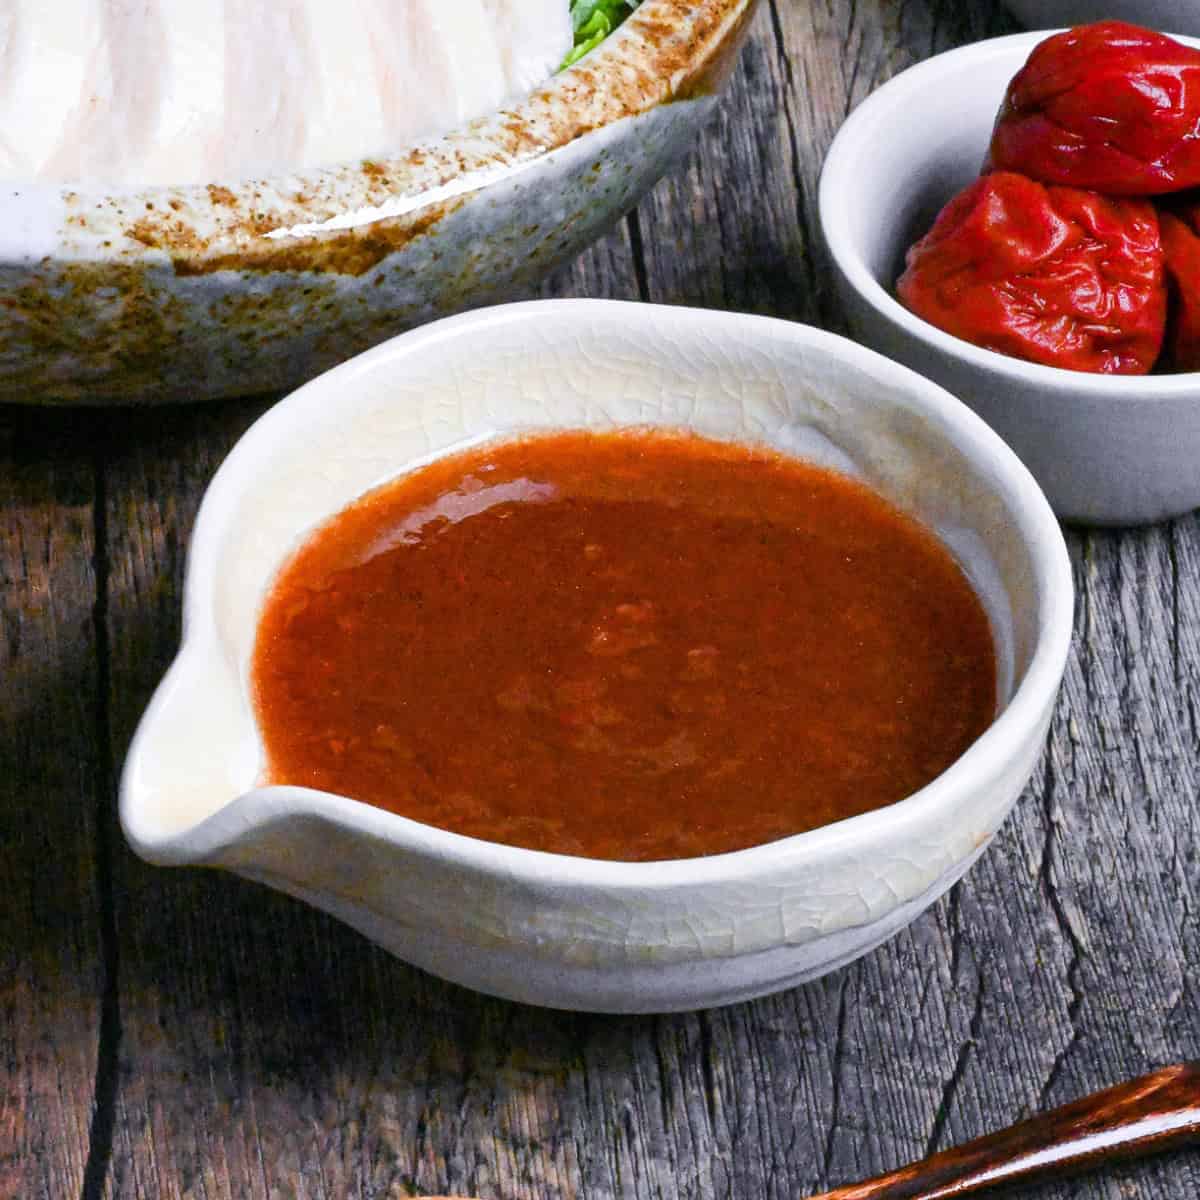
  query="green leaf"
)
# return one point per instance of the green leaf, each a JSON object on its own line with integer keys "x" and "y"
{"x": 593, "y": 21}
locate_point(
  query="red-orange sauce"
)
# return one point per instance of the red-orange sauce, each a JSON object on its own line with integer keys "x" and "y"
{"x": 625, "y": 646}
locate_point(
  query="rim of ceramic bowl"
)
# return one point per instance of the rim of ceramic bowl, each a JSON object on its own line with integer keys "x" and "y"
{"x": 984, "y": 760}
{"x": 666, "y": 51}
{"x": 842, "y": 174}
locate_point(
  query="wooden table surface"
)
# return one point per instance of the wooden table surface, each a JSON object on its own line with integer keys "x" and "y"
{"x": 182, "y": 1033}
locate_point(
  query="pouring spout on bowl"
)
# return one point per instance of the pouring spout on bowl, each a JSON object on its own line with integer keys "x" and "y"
{"x": 190, "y": 758}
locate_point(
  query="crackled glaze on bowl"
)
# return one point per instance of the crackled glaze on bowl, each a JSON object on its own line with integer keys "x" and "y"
{"x": 188, "y": 293}
{"x": 551, "y": 929}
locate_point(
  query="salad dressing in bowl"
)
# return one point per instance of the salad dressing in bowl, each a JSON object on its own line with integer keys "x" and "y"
{"x": 632, "y": 646}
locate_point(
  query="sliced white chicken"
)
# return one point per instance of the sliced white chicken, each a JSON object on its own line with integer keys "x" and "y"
{"x": 269, "y": 56}
{"x": 464, "y": 63}
{"x": 115, "y": 121}
{"x": 45, "y": 55}
{"x": 182, "y": 91}
{"x": 534, "y": 36}
{"x": 343, "y": 100}
{"x": 189, "y": 122}
{"x": 421, "y": 67}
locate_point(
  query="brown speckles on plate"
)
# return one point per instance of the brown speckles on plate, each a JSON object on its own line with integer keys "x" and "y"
{"x": 352, "y": 252}
{"x": 221, "y": 195}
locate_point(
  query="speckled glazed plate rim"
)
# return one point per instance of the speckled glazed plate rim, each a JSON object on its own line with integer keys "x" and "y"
{"x": 667, "y": 50}
{"x": 847, "y": 151}
{"x": 265, "y": 808}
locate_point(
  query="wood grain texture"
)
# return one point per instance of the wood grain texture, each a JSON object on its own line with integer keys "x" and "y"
{"x": 52, "y": 976}
{"x": 251, "y": 1048}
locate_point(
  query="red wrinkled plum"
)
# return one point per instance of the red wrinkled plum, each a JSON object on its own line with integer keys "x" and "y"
{"x": 1110, "y": 107}
{"x": 1181, "y": 247}
{"x": 1053, "y": 275}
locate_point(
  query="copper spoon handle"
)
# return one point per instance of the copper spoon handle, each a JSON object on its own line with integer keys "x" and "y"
{"x": 1156, "y": 1112}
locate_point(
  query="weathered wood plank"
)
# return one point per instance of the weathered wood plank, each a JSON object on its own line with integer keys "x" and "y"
{"x": 51, "y": 959}
{"x": 266, "y": 1051}
{"x": 607, "y": 271}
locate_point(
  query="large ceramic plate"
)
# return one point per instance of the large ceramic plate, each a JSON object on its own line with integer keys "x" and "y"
{"x": 204, "y": 291}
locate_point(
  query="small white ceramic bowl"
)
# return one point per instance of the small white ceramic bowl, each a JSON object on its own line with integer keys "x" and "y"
{"x": 1171, "y": 16}
{"x": 549, "y": 929}
{"x": 1107, "y": 450}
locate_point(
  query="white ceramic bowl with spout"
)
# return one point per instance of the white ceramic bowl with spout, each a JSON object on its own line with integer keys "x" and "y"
{"x": 551, "y": 929}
